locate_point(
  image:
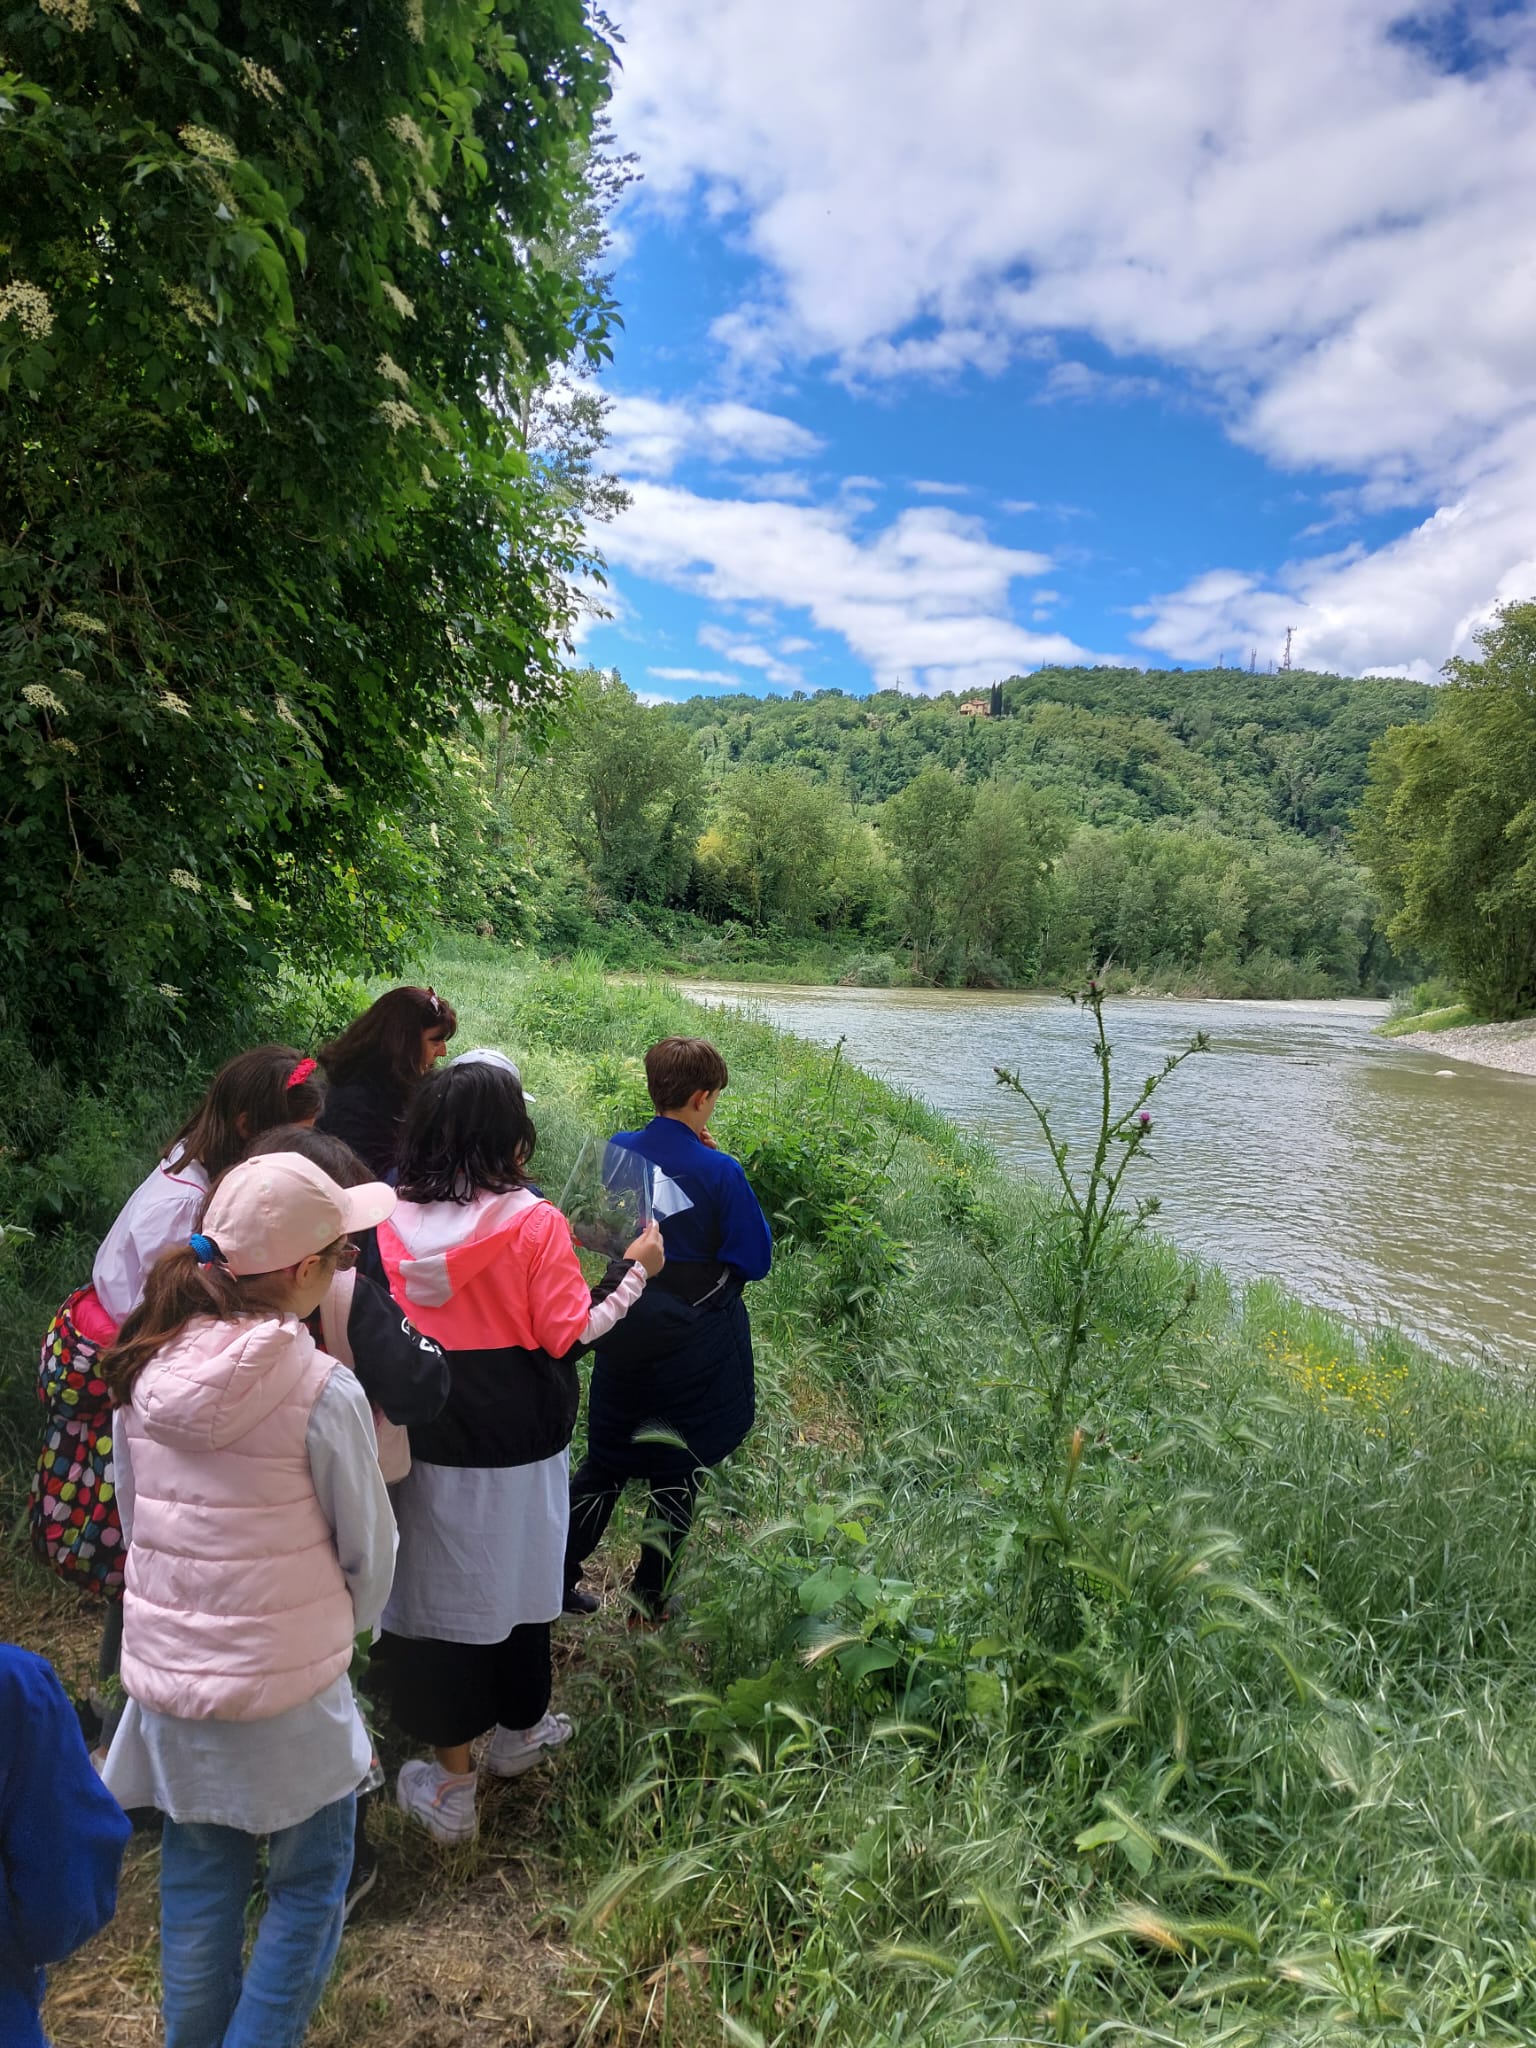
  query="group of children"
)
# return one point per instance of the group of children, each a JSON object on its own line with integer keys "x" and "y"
{"x": 320, "y": 1391}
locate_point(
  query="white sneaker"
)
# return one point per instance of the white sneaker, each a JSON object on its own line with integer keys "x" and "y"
{"x": 511, "y": 1751}
{"x": 443, "y": 1802}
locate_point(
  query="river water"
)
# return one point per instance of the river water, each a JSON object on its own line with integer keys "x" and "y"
{"x": 1357, "y": 1172}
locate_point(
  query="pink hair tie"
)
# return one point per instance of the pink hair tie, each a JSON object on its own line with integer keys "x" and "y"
{"x": 300, "y": 1074}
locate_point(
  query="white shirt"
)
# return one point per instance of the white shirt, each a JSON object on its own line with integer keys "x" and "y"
{"x": 259, "y": 1776}
{"x": 161, "y": 1212}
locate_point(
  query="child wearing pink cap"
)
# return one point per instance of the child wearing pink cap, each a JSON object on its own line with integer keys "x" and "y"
{"x": 259, "y": 1543}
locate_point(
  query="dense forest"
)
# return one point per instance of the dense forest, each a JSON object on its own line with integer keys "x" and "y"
{"x": 1186, "y": 828}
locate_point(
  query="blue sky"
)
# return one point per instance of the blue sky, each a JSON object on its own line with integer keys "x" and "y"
{"x": 964, "y": 338}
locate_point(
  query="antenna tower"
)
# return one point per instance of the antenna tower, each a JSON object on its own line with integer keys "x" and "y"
{"x": 1286, "y": 658}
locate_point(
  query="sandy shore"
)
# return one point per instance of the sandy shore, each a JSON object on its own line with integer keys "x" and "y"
{"x": 1511, "y": 1047}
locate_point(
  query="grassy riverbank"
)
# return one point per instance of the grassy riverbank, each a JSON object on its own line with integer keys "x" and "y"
{"x": 1216, "y": 1721}
{"x": 693, "y": 950}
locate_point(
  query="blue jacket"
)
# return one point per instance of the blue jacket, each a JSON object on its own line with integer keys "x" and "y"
{"x": 62, "y": 1837}
{"x": 681, "y": 1360}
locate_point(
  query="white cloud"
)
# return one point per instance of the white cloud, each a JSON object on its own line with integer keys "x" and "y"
{"x": 651, "y": 436}
{"x": 923, "y": 600}
{"x": 928, "y": 488}
{"x": 723, "y": 677}
{"x": 776, "y": 483}
{"x": 1081, "y": 382}
{"x": 749, "y": 654}
{"x": 1287, "y": 200}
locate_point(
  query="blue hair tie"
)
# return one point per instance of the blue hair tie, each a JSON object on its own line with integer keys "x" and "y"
{"x": 208, "y": 1253}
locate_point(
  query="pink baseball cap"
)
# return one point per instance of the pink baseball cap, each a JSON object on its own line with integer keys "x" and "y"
{"x": 267, "y": 1214}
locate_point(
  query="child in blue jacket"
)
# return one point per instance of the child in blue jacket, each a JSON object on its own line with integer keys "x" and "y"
{"x": 672, "y": 1385}
{"x": 62, "y": 1837}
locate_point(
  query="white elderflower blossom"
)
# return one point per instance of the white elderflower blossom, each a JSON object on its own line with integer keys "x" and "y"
{"x": 265, "y": 84}
{"x": 337, "y": 796}
{"x": 185, "y": 880}
{"x": 169, "y": 990}
{"x": 29, "y": 306}
{"x": 41, "y": 698}
{"x": 416, "y": 20}
{"x": 75, "y": 14}
{"x": 370, "y": 178}
{"x": 248, "y": 716}
{"x": 393, "y": 296}
{"x": 437, "y": 430}
{"x": 396, "y": 414}
{"x": 82, "y": 622}
{"x": 71, "y": 675}
{"x": 281, "y": 707}
{"x": 169, "y": 701}
{"x": 405, "y": 131}
{"x": 240, "y": 902}
{"x": 387, "y": 367}
{"x": 192, "y": 304}
{"x": 428, "y": 478}
{"x": 64, "y": 746}
{"x": 209, "y": 143}
{"x": 418, "y": 224}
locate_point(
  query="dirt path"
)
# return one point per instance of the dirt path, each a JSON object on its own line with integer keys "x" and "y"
{"x": 453, "y": 1948}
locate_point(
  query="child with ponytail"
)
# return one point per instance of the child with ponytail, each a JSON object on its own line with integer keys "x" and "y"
{"x": 72, "y": 1510}
{"x": 259, "y": 1544}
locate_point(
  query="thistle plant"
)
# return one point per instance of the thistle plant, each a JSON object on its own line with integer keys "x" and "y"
{"x": 1098, "y": 1223}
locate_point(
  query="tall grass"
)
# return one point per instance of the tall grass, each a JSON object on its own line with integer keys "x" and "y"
{"x": 1205, "y": 1712}
{"x": 1208, "y": 1715}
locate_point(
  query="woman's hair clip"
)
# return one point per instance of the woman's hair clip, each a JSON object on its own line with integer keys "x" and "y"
{"x": 435, "y": 1002}
{"x": 206, "y": 1251}
{"x": 300, "y": 1074}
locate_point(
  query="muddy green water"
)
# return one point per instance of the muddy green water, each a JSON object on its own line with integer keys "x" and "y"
{"x": 1301, "y": 1148}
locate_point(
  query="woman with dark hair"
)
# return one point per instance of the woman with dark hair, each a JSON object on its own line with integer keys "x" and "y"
{"x": 374, "y": 1067}
{"x": 479, "y": 1260}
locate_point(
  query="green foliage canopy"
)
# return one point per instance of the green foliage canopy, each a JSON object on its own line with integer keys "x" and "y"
{"x": 1448, "y": 826}
{"x": 274, "y": 285}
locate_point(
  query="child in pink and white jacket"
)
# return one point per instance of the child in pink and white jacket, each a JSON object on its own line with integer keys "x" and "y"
{"x": 259, "y": 1543}
{"x": 479, "y": 1260}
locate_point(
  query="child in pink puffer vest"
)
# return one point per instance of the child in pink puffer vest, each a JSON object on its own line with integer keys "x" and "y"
{"x": 259, "y": 1543}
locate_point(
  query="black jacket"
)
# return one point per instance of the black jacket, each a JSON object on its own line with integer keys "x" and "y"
{"x": 680, "y": 1365}
{"x": 367, "y": 1115}
{"x": 402, "y": 1372}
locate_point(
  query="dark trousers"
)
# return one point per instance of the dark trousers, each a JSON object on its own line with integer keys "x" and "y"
{"x": 595, "y": 1490}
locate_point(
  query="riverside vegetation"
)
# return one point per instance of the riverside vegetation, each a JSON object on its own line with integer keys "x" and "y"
{"x": 1189, "y": 1696}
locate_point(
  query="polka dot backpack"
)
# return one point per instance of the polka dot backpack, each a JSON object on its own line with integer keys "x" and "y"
{"x": 72, "y": 1510}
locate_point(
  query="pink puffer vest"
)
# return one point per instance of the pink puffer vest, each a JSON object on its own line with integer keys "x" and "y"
{"x": 235, "y": 1607}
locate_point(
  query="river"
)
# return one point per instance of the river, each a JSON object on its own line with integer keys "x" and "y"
{"x": 1300, "y": 1148}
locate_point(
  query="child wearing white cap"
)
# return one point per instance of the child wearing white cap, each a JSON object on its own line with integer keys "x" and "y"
{"x": 260, "y": 1542}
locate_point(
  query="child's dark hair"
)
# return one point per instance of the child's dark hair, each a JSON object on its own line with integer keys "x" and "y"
{"x": 384, "y": 1044}
{"x": 259, "y": 1086}
{"x": 467, "y": 1132}
{"x": 330, "y": 1154}
{"x": 677, "y": 1068}
{"x": 179, "y": 1288}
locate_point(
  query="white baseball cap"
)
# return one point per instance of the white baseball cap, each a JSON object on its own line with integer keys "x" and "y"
{"x": 268, "y": 1213}
{"x": 488, "y": 1056}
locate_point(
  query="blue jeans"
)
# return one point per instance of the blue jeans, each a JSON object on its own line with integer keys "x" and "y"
{"x": 206, "y": 1874}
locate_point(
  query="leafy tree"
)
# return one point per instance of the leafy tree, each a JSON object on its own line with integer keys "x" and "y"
{"x": 272, "y": 280}
{"x": 1448, "y": 826}
{"x": 1001, "y": 878}
{"x": 630, "y": 793}
{"x": 770, "y": 856}
{"x": 922, "y": 827}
